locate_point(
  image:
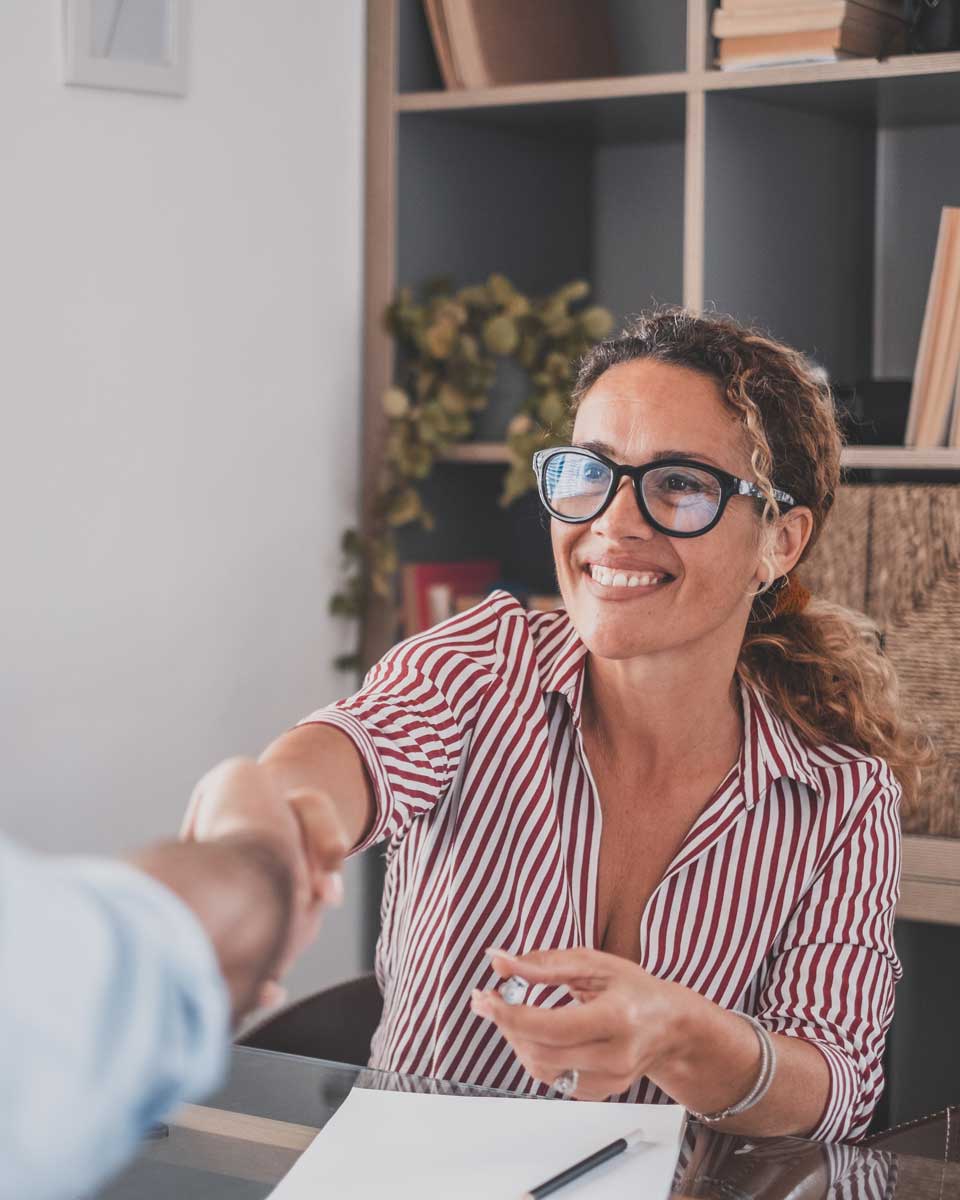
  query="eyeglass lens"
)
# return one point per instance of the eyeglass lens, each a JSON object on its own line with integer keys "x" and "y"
{"x": 684, "y": 499}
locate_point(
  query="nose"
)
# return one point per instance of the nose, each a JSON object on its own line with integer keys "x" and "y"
{"x": 622, "y": 518}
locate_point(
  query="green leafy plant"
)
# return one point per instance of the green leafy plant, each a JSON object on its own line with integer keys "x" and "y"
{"x": 448, "y": 344}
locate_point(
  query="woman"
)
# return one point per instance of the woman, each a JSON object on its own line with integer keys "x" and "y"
{"x": 672, "y": 808}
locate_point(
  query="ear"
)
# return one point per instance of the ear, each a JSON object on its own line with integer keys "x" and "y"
{"x": 792, "y": 534}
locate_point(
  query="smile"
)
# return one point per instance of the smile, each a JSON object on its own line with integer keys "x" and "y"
{"x": 610, "y": 577}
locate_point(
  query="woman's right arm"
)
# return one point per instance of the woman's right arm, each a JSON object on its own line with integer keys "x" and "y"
{"x": 322, "y": 759}
{"x": 314, "y": 758}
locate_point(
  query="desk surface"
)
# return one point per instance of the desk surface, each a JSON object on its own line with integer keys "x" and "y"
{"x": 243, "y": 1140}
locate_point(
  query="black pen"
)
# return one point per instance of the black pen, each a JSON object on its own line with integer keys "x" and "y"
{"x": 587, "y": 1164}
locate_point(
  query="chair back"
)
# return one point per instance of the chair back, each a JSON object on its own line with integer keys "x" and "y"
{"x": 336, "y": 1024}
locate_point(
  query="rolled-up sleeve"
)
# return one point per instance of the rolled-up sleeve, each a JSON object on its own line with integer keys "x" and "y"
{"x": 409, "y": 727}
{"x": 833, "y": 970}
{"x": 112, "y": 1012}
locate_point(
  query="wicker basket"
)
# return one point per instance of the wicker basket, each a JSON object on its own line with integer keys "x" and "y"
{"x": 893, "y": 551}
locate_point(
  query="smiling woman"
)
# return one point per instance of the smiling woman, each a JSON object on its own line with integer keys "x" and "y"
{"x": 672, "y": 804}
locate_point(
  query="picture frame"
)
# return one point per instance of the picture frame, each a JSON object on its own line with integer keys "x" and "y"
{"x": 130, "y": 45}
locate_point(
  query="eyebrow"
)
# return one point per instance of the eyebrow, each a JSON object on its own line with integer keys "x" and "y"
{"x": 609, "y": 452}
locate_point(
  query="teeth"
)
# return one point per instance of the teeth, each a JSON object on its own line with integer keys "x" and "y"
{"x": 608, "y": 578}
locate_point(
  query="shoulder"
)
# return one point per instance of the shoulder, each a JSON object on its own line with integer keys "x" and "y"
{"x": 852, "y": 776}
{"x": 846, "y": 779}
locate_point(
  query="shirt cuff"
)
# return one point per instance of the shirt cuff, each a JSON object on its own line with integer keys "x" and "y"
{"x": 357, "y": 732}
{"x": 838, "y": 1119}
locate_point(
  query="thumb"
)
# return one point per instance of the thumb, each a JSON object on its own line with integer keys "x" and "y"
{"x": 322, "y": 831}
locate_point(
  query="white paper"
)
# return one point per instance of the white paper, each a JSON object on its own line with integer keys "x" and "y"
{"x": 404, "y": 1146}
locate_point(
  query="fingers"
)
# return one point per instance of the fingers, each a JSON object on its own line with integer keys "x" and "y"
{"x": 562, "y": 1027}
{"x": 190, "y": 816}
{"x": 581, "y": 969}
{"x": 324, "y": 841}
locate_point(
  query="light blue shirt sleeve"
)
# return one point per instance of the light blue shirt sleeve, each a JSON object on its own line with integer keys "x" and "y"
{"x": 112, "y": 1012}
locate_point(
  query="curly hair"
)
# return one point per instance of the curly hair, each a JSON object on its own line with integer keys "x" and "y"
{"x": 822, "y": 667}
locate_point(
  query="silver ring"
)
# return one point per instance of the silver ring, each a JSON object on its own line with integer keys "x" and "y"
{"x": 567, "y": 1082}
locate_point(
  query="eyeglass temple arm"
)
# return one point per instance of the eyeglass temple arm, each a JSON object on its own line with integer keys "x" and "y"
{"x": 745, "y": 488}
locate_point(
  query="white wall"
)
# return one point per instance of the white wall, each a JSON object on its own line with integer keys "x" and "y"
{"x": 179, "y": 392}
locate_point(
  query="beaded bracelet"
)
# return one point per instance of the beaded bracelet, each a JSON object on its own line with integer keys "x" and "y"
{"x": 768, "y": 1066}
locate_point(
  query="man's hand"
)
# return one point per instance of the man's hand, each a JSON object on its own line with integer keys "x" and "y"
{"x": 241, "y": 799}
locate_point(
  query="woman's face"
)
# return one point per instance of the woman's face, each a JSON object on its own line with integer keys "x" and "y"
{"x": 691, "y": 590}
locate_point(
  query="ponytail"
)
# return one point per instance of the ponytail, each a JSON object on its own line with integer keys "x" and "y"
{"x": 823, "y": 669}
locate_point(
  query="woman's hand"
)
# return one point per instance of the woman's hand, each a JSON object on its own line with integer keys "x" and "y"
{"x": 242, "y": 798}
{"x": 625, "y": 1022}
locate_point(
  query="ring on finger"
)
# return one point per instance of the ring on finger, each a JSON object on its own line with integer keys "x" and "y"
{"x": 566, "y": 1082}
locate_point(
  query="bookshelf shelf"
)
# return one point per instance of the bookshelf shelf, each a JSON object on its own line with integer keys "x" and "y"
{"x": 864, "y": 458}
{"x": 901, "y": 458}
{"x": 619, "y": 87}
{"x": 899, "y": 67}
{"x": 477, "y": 452}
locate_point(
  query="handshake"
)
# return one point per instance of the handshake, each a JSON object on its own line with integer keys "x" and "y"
{"x": 280, "y": 852}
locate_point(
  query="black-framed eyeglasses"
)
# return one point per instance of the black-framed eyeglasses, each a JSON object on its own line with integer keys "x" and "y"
{"x": 677, "y": 496}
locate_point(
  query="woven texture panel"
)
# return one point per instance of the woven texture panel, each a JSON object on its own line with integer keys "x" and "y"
{"x": 893, "y": 551}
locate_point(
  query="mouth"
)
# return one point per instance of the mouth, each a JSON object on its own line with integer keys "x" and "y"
{"x": 621, "y": 582}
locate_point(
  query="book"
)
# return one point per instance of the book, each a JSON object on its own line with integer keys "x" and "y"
{"x": 954, "y": 440}
{"x": 790, "y": 20}
{"x": 430, "y": 589}
{"x": 533, "y": 602}
{"x": 891, "y": 8}
{"x": 824, "y": 45}
{"x": 437, "y": 24}
{"x": 938, "y": 352}
{"x": 544, "y": 603}
{"x": 498, "y": 42}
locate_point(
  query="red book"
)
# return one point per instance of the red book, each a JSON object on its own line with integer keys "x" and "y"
{"x": 473, "y": 578}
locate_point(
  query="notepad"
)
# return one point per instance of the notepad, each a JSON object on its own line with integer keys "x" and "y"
{"x": 401, "y": 1146}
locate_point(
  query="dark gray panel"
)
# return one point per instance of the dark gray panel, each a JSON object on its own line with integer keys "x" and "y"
{"x": 472, "y": 524}
{"x": 918, "y": 171}
{"x": 924, "y": 1057}
{"x": 789, "y": 227}
{"x": 650, "y": 35}
{"x": 417, "y": 69}
{"x": 472, "y": 200}
{"x": 638, "y": 225}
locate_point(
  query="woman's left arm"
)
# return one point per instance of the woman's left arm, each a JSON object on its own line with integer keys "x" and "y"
{"x": 629, "y": 1024}
{"x": 825, "y": 997}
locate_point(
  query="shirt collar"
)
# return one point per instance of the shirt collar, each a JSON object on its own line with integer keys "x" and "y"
{"x": 771, "y": 749}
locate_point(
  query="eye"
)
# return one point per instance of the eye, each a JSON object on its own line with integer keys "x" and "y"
{"x": 594, "y": 471}
{"x": 684, "y": 484}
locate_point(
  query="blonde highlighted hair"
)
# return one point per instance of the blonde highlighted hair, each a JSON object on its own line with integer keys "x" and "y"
{"x": 822, "y": 667}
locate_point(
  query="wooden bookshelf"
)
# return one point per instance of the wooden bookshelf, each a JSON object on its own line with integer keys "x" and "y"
{"x": 803, "y": 198}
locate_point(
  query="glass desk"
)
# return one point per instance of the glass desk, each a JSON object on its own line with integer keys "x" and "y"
{"x": 240, "y": 1143}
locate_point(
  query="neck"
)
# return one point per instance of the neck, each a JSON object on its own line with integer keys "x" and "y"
{"x": 676, "y": 718}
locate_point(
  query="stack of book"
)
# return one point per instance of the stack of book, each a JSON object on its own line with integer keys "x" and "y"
{"x": 763, "y": 33}
{"x": 934, "y": 415}
{"x": 491, "y": 43}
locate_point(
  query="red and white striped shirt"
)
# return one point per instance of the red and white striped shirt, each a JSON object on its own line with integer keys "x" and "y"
{"x": 780, "y": 901}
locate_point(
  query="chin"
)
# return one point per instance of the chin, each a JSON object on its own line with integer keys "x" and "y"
{"x": 617, "y": 637}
